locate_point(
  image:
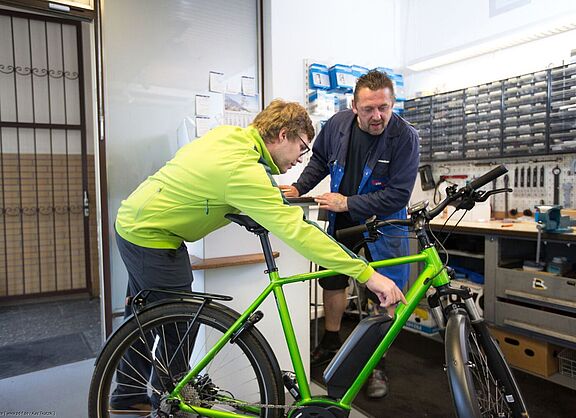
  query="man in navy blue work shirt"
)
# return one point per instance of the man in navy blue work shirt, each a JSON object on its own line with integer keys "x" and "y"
{"x": 371, "y": 155}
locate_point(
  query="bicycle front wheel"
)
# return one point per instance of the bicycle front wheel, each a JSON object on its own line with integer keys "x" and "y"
{"x": 242, "y": 377}
{"x": 481, "y": 382}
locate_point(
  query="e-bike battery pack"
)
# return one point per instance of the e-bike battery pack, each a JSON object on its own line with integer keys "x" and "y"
{"x": 355, "y": 353}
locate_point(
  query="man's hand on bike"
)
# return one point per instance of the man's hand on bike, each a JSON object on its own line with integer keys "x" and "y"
{"x": 289, "y": 190}
{"x": 388, "y": 293}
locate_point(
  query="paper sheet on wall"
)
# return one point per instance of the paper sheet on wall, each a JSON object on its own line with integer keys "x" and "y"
{"x": 248, "y": 86}
{"x": 217, "y": 82}
{"x": 203, "y": 106}
{"x": 203, "y": 125}
{"x": 241, "y": 103}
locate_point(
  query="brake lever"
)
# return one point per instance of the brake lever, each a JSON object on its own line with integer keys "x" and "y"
{"x": 489, "y": 193}
{"x": 372, "y": 228}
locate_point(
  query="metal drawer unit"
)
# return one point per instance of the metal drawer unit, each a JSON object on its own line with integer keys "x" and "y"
{"x": 418, "y": 113}
{"x": 563, "y": 109}
{"x": 483, "y": 117}
{"x": 534, "y": 301}
{"x": 537, "y": 288}
{"x": 446, "y": 136}
{"x": 545, "y": 323}
{"x": 532, "y": 114}
{"x": 525, "y": 114}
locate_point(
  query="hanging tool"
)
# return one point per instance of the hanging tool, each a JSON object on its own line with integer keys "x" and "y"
{"x": 426, "y": 179}
{"x": 506, "y": 183}
{"x": 567, "y": 189}
{"x": 573, "y": 167}
{"x": 522, "y": 177}
{"x": 542, "y": 176}
{"x": 516, "y": 177}
{"x": 535, "y": 177}
{"x": 493, "y": 204}
{"x": 556, "y": 172}
{"x": 528, "y": 177}
{"x": 454, "y": 177}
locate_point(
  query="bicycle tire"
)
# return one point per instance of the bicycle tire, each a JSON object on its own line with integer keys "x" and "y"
{"x": 246, "y": 370}
{"x": 481, "y": 382}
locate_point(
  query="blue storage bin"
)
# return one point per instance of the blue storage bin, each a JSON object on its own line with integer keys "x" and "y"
{"x": 398, "y": 81}
{"x": 385, "y": 70}
{"x": 318, "y": 77}
{"x": 359, "y": 71}
{"x": 342, "y": 78}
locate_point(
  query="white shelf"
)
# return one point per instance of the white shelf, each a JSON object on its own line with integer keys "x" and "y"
{"x": 465, "y": 254}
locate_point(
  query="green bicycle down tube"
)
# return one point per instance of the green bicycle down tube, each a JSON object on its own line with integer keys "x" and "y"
{"x": 433, "y": 267}
{"x": 401, "y": 315}
{"x": 209, "y": 356}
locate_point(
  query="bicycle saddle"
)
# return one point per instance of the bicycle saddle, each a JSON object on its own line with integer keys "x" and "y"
{"x": 247, "y": 222}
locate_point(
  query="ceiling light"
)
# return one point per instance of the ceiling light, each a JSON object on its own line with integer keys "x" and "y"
{"x": 517, "y": 37}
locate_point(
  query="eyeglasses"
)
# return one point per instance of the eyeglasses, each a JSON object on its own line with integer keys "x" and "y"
{"x": 306, "y": 145}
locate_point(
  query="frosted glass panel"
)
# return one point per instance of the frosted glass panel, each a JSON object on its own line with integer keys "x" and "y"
{"x": 157, "y": 57}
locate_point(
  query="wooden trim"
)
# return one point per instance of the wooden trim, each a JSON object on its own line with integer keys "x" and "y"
{"x": 231, "y": 261}
{"x": 83, "y": 4}
{"x": 76, "y": 12}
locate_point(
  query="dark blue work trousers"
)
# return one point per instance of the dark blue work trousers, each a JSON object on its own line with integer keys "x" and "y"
{"x": 149, "y": 268}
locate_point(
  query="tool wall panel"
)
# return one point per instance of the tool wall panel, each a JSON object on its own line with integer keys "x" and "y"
{"x": 550, "y": 181}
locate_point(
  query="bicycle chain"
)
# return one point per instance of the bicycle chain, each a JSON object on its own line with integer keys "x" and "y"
{"x": 191, "y": 397}
{"x": 287, "y": 408}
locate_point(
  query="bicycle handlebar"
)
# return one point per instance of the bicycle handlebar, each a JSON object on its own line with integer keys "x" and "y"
{"x": 467, "y": 191}
{"x": 488, "y": 177}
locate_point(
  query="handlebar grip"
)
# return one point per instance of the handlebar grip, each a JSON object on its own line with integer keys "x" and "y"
{"x": 354, "y": 230}
{"x": 488, "y": 177}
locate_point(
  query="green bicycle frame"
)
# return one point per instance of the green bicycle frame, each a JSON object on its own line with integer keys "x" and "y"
{"x": 433, "y": 274}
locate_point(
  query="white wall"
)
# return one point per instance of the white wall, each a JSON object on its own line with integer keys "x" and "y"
{"x": 330, "y": 32}
{"x": 333, "y": 31}
{"x": 440, "y": 25}
{"x": 521, "y": 59}
{"x": 446, "y": 25}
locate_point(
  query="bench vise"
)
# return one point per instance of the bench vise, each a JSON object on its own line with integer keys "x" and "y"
{"x": 549, "y": 219}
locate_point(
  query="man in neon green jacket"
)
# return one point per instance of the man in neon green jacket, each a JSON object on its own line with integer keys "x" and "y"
{"x": 228, "y": 170}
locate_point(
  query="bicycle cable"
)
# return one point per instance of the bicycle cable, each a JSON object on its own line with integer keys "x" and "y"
{"x": 441, "y": 244}
{"x": 453, "y": 227}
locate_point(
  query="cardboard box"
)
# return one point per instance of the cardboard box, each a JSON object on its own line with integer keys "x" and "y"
{"x": 422, "y": 321}
{"x": 535, "y": 356}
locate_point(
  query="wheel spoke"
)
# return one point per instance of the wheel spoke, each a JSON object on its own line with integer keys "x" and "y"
{"x": 489, "y": 391}
{"x": 238, "y": 379}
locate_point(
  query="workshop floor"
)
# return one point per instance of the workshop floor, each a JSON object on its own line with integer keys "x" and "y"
{"x": 44, "y": 335}
{"x": 419, "y": 387}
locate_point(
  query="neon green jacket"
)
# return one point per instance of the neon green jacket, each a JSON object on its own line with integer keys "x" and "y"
{"x": 228, "y": 170}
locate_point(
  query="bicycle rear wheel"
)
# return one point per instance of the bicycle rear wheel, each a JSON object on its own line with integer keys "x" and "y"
{"x": 242, "y": 375}
{"x": 481, "y": 382}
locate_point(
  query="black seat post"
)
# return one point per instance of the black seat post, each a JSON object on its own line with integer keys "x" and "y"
{"x": 267, "y": 249}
